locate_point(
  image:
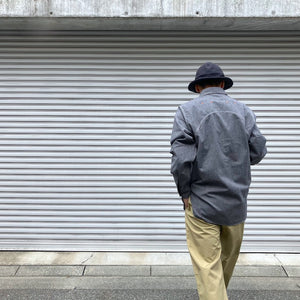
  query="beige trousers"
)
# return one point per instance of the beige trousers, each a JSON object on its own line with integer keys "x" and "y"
{"x": 214, "y": 250}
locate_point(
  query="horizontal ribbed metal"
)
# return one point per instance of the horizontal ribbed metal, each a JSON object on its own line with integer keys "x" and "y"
{"x": 85, "y": 122}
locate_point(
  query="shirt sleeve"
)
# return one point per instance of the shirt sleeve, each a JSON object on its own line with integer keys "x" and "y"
{"x": 257, "y": 142}
{"x": 183, "y": 150}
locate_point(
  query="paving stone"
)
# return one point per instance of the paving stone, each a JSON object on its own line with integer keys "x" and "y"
{"x": 50, "y": 271}
{"x": 264, "y": 284}
{"x": 117, "y": 271}
{"x": 172, "y": 271}
{"x": 289, "y": 259}
{"x": 8, "y": 270}
{"x": 257, "y": 259}
{"x": 255, "y": 271}
{"x": 138, "y": 258}
{"x": 292, "y": 271}
{"x": 15, "y": 258}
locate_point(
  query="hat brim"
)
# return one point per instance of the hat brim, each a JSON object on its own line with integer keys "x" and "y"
{"x": 228, "y": 83}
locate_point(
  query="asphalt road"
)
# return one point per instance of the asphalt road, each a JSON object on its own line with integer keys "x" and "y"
{"x": 25, "y": 294}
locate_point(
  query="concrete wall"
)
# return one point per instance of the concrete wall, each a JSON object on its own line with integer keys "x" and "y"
{"x": 215, "y": 15}
{"x": 150, "y": 8}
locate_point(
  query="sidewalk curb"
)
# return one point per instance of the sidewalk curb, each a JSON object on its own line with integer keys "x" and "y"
{"x": 142, "y": 271}
{"x": 134, "y": 258}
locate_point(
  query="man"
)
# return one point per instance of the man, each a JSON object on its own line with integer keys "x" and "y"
{"x": 214, "y": 141}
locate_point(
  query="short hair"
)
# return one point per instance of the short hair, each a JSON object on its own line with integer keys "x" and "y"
{"x": 210, "y": 82}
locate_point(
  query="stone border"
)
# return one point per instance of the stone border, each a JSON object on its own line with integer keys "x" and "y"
{"x": 17, "y": 258}
{"x": 139, "y": 271}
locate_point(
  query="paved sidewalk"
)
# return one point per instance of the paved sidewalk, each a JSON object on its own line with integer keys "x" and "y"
{"x": 147, "y": 272}
{"x": 140, "y": 282}
{"x": 139, "y": 295}
{"x": 256, "y": 277}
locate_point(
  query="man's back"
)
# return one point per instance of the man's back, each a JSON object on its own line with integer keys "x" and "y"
{"x": 218, "y": 130}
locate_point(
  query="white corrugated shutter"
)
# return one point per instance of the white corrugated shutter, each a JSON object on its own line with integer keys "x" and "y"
{"x": 85, "y": 120}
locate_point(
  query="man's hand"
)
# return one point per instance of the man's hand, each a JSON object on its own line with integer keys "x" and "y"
{"x": 186, "y": 203}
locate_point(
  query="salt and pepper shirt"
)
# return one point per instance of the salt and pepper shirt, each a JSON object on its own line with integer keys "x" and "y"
{"x": 214, "y": 141}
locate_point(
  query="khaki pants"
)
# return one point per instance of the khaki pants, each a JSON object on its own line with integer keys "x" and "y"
{"x": 214, "y": 251}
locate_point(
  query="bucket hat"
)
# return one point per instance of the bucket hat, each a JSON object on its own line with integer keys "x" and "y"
{"x": 210, "y": 71}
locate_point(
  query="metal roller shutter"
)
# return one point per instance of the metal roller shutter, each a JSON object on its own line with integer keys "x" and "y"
{"x": 85, "y": 121}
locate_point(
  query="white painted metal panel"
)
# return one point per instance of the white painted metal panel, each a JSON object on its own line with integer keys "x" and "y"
{"x": 85, "y": 121}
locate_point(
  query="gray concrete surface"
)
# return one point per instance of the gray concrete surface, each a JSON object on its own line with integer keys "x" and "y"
{"x": 150, "y": 8}
{"x": 142, "y": 277}
{"x": 117, "y": 271}
{"x": 50, "y": 271}
{"x": 257, "y": 271}
{"x": 8, "y": 270}
{"x": 19, "y": 258}
{"x": 138, "y": 295}
{"x": 140, "y": 271}
{"x": 144, "y": 282}
{"x": 150, "y": 15}
{"x": 172, "y": 271}
{"x": 292, "y": 271}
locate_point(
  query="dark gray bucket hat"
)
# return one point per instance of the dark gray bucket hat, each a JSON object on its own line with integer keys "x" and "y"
{"x": 210, "y": 71}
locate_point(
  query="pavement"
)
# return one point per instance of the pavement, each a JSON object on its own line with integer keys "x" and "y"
{"x": 37, "y": 281}
{"x": 140, "y": 282}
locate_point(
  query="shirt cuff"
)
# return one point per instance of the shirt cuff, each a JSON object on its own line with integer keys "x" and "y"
{"x": 185, "y": 196}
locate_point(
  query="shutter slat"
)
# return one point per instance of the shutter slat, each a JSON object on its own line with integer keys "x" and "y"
{"x": 85, "y": 122}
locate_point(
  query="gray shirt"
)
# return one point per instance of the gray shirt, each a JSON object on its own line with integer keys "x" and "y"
{"x": 214, "y": 140}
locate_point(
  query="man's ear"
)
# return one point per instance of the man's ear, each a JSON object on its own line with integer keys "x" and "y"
{"x": 197, "y": 88}
{"x": 222, "y": 85}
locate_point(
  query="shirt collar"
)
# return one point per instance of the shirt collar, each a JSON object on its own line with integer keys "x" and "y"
{"x": 212, "y": 90}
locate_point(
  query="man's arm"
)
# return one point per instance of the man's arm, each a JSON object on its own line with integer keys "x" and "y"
{"x": 257, "y": 142}
{"x": 183, "y": 150}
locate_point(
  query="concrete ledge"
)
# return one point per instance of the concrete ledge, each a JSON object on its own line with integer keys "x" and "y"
{"x": 259, "y": 259}
{"x": 8, "y": 270}
{"x": 259, "y": 271}
{"x": 288, "y": 259}
{"x": 293, "y": 271}
{"x": 172, "y": 271}
{"x": 132, "y": 258}
{"x": 117, "y": 271}
{"x": 93, "y": 258}
{"x": 142, "y": 271}
{"x": 24, "y": 271}
{"x": 36, "y": 24}
{"x": 260, "y": 283}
